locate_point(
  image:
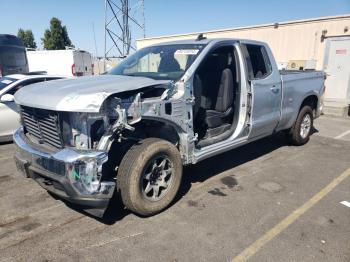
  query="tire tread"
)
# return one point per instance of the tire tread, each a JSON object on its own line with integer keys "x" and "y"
{"x": 294, "y": 136}
{"x": 125, "y": 171}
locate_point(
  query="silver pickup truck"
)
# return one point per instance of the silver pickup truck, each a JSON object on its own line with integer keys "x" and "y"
{"x": 129, "y": 132}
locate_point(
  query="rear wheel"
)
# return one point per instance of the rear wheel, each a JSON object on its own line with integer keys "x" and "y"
{"x": 149, "y": 176}
{"x": 300, "y": 133}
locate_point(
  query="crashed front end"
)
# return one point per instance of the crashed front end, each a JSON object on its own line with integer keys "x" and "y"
{"x": 67, "y": 152}
{"x": 68, "y": 173}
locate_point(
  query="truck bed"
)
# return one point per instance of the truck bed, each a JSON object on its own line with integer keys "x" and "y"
{"x": 287, "y": 72}
{"x": 296, "y": 86}
{"x": 294, "y": 75}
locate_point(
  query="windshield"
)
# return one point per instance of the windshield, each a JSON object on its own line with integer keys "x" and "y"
{"x": 12, "y": 56}
{"x": 6, "y": 81}
{"x": 168, "y": 62}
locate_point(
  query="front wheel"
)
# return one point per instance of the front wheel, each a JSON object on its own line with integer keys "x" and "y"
{"x": 149, "y": 176}
{"x": 300, "y": 133}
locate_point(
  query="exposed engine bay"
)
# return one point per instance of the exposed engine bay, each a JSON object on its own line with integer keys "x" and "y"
{"x": 123, "y": 119}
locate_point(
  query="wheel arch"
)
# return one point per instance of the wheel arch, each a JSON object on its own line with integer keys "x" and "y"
{"x": 146, "y": 128}
{"x": 163, "y": 129}
{"x": 310, "y": 100}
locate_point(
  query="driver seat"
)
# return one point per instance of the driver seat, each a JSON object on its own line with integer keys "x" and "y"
{"x": 223, "y": 111}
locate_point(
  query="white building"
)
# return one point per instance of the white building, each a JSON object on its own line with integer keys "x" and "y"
{"x": 320, "y": 43}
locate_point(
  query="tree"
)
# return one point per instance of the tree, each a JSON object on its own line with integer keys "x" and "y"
{"x": 56, "y": 37}
{"x": 27, "y": 38}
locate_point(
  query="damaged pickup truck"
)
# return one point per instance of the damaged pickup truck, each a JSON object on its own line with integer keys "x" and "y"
{"x": 129, "y": 132}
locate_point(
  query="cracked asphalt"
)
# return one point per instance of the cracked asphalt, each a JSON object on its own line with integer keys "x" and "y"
{"x": 225, "y": 205}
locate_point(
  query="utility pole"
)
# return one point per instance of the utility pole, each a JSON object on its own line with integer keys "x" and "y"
{"x": 143, "y": 18}
{"x": 122, "y": 27}
{"x": 105, "y": 50}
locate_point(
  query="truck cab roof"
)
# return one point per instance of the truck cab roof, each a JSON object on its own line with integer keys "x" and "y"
{"x": 206, "y": 41}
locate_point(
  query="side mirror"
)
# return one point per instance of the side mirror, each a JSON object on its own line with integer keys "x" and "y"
{"x": 7, "y": 98}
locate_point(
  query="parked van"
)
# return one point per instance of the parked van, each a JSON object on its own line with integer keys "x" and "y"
{"x": 68, "y": 62}
{"x": 13, "y": 59}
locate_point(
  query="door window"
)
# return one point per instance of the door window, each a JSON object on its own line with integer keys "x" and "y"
{"x": 258, "y": 62}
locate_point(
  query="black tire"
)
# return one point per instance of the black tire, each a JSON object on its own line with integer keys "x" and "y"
{"x": 140, "y": 159}
{"x": 295, "y": 136}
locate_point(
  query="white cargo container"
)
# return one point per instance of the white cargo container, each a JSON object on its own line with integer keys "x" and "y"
{"x": 61, "y": 62}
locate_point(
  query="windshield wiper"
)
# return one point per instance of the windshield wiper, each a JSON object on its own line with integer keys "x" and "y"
{"x": 137, "y": 75}
{"x": 133, "y": 75}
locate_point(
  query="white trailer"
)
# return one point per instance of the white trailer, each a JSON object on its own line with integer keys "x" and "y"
{"x": 61, "y": 62}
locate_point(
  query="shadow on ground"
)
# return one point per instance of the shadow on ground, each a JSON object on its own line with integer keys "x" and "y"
{"x": 228, "y": 160}
{"x": 198, "y": 173}
{"x": 5, "y": 143}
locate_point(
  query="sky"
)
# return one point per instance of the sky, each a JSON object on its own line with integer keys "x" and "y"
{"x": 83, "y": 17}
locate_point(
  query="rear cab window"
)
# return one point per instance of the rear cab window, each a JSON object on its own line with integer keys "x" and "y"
{"x": 258, "y": 62}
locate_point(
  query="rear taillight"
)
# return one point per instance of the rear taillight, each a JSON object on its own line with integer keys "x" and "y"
{"x": 74, "y": 72}
{"x": 92, "y": 68}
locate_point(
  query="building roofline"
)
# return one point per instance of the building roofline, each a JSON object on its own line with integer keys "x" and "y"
{"x": 318, "y": 19}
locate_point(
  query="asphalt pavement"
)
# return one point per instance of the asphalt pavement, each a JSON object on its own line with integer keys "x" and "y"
{"x": 266, "y": 201}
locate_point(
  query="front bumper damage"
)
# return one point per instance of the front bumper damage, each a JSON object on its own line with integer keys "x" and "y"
{"x": 70, "y": 174}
